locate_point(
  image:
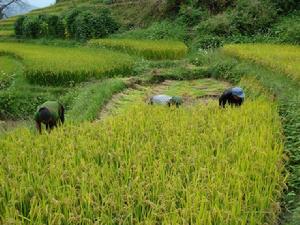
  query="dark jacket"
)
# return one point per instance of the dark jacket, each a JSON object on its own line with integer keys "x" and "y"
{"x": 227, "y": 96}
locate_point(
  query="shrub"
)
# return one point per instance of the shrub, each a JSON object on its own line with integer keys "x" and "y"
{"x": 214, "y": 6}
{"x": 285, "y": 6}
{"x": 157, "y": 31}
{"x": 55, "y": 26}
{"x": 86, "y": 24}
{"x": 207, "y": 41}
{"x": 104, "y": 24}
{"x": 19, "y": 26}
{"x": 254, "y": 16}
{"x": 220, "y": 25}
{"x": 191, "y": 16}
{"x": 70, "y": 18}
{"x": 288, "y": 29}
{"x": 31, "y": 27}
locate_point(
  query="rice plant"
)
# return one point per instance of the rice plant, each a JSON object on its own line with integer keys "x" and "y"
{"x": 285, "y": 58}
{"x": 149, "y": 49}
{"x": 57, "y": 65}
{"x": 143, "y": 167}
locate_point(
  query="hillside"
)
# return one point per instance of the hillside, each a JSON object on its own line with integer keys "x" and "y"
{"x": 140, "y": 133}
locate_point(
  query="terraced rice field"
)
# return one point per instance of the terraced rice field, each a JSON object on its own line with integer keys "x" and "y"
{"x": 57, "y": 65}
{"x": 145, "y": 169}
{"x": 146, "y": 48}
{"x": 285, "y": 58}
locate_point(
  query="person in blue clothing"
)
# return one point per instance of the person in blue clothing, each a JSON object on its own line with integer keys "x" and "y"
{"x": 234, "y": 96}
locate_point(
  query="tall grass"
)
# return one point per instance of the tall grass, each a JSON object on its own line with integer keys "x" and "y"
{"x": 150, "y": 49}
{"x": 88, "y": 103}
{"x": 141, "y": 167}
{"x": 57, "y": 65}
{"x": 285, "y": 58}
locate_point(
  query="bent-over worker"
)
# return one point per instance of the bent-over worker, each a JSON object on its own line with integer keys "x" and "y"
{"x": 166, "y": 100}
{"x": 234, "y": 96}
{"x": 50, "y": 113}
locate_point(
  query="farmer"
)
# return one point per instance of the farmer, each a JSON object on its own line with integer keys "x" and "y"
{"x": 234, "y": 96}
{"x": 166, "y": 100}
{"x": 50, "y": 113}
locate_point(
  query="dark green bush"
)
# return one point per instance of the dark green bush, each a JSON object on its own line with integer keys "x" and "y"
{"x": 31, "y": 27}
{"x": 55, "y": 26}
{"x": 86, "y": 24}
{"x": 191, "y": 16}
{"x": 253, "y": 16}
{"x": 288, "y": 29}
{"x": 104, "y": 24}
{"x": 214, "y": 6}
{"x": 70, "y": 18}
{"x": 220, "y": 25}
{"x": 19, "y": 26}
{"x": 39, "y": 26}
{"x": 285, "y": 6}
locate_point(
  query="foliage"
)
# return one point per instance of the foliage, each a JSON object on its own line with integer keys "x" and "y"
{"x": 146, "y": 48}
{"x": 288, "y": 29}
{"x": 191, "y": 16}
{"x": 207, "y": 41}
{"x": 157, "y": 31}
{"x": 31, "y": 27}
{"x": 43, "y": 64}
{"x": 85, "y": 24}
{"x": 220, "y": 25}
{"x": 285, "y": 6}
{"x": 133, "y": 169}
{"x": 254, "y": 16}
{"x": 19, "y": 26}
{"x": 39, "y": 26}
{"x": 214, "y": 6}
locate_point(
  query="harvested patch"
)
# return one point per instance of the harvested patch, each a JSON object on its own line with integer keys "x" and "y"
{"x": 193, "y": 92}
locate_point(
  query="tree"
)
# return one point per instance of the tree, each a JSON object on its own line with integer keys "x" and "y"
{"x": 6, "y": 3}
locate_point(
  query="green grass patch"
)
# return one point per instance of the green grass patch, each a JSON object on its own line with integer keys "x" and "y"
{"x": 51, "y": 65}
{"x": 148, "y": 49}
{"x": 9, "y": 67}
{"x": 92, "y": 98}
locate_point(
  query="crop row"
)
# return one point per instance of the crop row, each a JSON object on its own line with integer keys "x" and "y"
{"x": 150, "y": 49}
{"x": 286, "y": 58}
{"x": 58, "y": 65}
{"x": 146, "y": 169}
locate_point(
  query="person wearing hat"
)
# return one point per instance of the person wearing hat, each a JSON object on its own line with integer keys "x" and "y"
{"x": 166, "y": 100}
{"x": 234, "y": 96}
{"x": 50, "y": 113}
